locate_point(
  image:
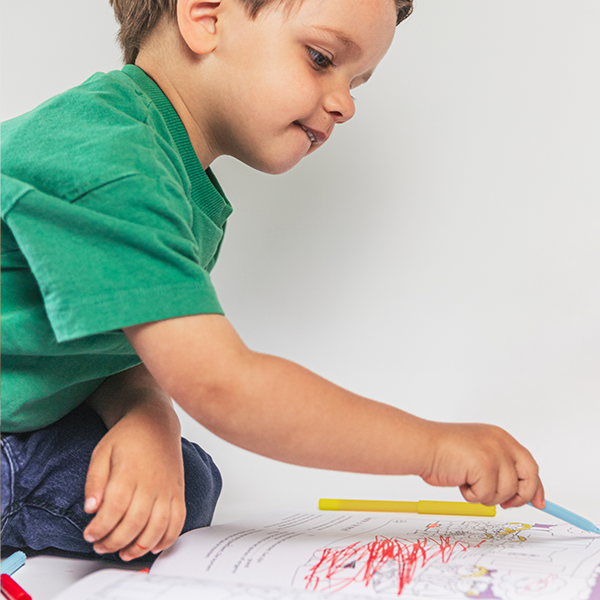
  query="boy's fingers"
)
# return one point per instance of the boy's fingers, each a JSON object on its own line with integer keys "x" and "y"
{"x": 153, "y": 533}
{"x": 129, "y": 527}
{"x": 96, "y": 479}
{"x": 178, "y": 512}
{"x": 115, "y": 504}
{"x": 494, "y": 485}
{"x": 484, "y": 486}
{"x": 508, "y": 484}
{"x": 524, "y": 495}
{"x": 529, "y": 479}
{"x": 539, "y": 498}
{"x": 529, "y": 482}
{"x": 468, "y": 493}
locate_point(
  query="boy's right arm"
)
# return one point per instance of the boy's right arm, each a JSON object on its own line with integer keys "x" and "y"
{"x": 276, "y": 408}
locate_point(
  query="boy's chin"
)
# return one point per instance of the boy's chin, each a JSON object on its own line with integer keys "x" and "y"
{"x": 274, "y": 167}
{"x": 276, "y": 159}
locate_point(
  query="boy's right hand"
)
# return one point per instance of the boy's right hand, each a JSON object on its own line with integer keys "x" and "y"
{"x": 486, "y": 463}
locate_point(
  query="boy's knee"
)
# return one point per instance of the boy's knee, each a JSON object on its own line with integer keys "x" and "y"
{"x": 202, "y": 486}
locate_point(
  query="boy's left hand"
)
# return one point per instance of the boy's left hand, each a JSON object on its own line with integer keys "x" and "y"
{"x": 135, "y": 484}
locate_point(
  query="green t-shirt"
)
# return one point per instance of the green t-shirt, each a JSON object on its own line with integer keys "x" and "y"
{"x": 108, "y": 220}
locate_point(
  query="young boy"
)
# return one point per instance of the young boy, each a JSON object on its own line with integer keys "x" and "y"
{"x": 112, "y": 221}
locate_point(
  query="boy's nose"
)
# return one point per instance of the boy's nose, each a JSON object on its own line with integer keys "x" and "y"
{"x": 340, "y": 105}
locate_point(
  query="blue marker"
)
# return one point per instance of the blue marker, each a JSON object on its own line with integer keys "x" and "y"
{"x": 569, "y": 517}
{"x": 13, "y": 563}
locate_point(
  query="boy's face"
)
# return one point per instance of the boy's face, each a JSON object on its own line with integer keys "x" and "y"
{"x": 281, "y": 82}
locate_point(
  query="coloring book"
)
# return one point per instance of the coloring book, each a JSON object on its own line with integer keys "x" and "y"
{"x": 299, "y": 556}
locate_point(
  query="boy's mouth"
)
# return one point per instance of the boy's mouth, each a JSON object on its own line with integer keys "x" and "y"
{"x": 315, "y": 137}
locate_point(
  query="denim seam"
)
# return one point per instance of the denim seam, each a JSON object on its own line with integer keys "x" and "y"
{"x": 60, "y": 513}
{"x": 11, "y": 509}
{"x": 15, "y": 507}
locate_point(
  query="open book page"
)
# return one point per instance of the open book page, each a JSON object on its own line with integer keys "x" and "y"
{"x": 413, "y": 557}
{"x": 113, "y": 584}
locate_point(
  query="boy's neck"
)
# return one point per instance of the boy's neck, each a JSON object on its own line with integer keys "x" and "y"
{"x": 166, "y": 64}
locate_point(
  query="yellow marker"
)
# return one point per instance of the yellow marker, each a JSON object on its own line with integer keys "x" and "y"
{"x": 422, "y": 507}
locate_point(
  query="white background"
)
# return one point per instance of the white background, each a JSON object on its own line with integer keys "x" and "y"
{"x": 441, "y": 252}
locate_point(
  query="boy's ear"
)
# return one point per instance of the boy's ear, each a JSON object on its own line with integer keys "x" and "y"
{"x": 197, "y": 20}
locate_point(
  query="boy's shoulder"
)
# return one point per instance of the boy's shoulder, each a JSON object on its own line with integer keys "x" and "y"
{"x": 97, "y": 132}
{"x": 103, "y": 95}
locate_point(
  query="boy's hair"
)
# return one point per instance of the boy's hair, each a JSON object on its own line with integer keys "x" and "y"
{"x": 137, "y": 18}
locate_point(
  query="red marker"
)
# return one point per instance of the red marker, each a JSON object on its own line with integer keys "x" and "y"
{"x": 12, "y": 590}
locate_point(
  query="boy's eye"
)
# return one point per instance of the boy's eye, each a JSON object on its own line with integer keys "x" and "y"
{"x": 319, "y": 59}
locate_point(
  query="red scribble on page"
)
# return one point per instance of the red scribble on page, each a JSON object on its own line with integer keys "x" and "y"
{"x": 337, "y": 568}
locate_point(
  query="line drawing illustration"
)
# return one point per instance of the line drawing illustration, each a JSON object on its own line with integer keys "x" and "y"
{"x": 459, "y": 560}
{"x": 414, "y": 558}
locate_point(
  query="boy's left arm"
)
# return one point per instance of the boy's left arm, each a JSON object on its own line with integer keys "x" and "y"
{"x": 135, "y": 481}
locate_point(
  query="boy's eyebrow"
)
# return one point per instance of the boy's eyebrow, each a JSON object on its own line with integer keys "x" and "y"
{"x": 351, "y": 46}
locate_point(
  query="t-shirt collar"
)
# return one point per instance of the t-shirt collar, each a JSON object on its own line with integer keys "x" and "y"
{"x": 216, "y": 206}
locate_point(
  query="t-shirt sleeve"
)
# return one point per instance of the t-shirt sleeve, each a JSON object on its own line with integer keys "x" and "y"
{"x": 125, "y": 253}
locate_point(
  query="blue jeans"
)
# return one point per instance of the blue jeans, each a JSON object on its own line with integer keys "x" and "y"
{"x": 43, "y": 480}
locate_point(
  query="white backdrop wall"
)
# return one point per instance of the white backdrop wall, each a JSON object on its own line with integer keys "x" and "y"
{"x": 441, "y": 252}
